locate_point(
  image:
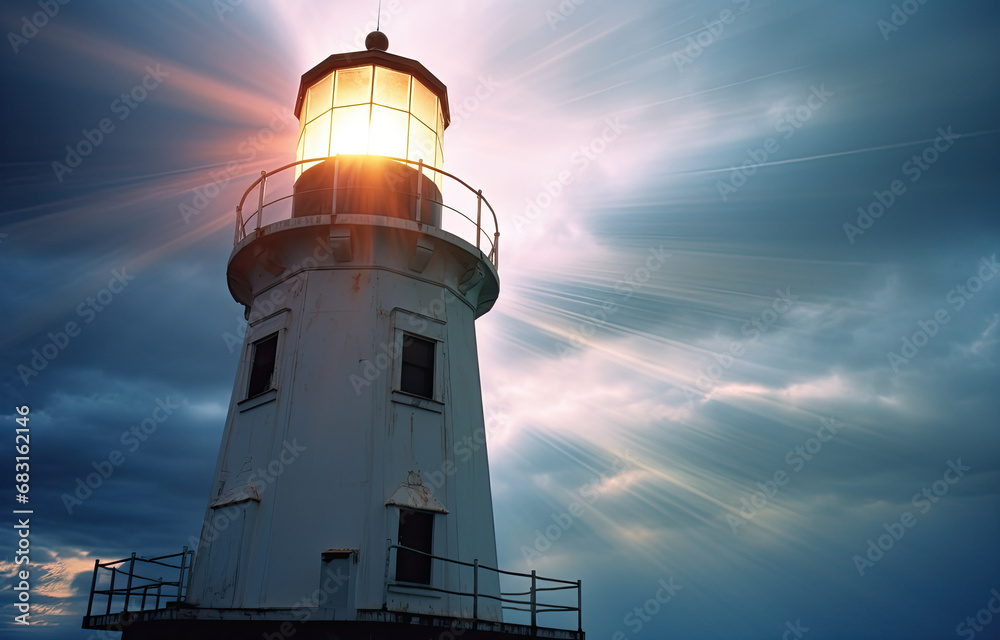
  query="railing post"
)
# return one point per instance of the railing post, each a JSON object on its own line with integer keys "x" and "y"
{"x": 475, "y": 589}
{"x": 180, "y": 578}
{"x": 128, "y": 585}
{"x": 420, "y": 188}
{"x": 336, "y": 181}
{"x": 93, "y": 585}
{"x": 385, "y": 582}
{"x": 479, "y": 216}
{"x": 579, "y": 606}
{"x": 111, "y": 590}
{"x": 239, "y": 224}
{"x": 533, "y": 601}
{"x": 260, "y": 199}
{"x": 187, "y": 583}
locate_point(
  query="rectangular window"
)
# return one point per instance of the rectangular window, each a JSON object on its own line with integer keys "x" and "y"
{"x": 417, "y": 371}
{"x": 415, "y": 530}
{"x": 262, "y": 365}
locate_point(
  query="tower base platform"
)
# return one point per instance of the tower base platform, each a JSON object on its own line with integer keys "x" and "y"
{"x": 183, "y": 623}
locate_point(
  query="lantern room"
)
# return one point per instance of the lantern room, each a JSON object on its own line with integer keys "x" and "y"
{"x": 372, "y": 103}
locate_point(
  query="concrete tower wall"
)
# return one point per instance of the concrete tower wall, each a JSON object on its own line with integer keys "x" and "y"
{"x": 312, "y": 473}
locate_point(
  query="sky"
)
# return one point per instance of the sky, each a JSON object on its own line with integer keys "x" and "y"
{"x": 742, "y": 375}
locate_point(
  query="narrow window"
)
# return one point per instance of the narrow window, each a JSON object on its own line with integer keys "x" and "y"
{"x": 415, "y": 529}
{"x": 417, "y": 371}
{"x": 262, "y": 368}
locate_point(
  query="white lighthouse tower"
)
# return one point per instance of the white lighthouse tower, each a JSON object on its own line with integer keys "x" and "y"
{"x": 351, "y": 497}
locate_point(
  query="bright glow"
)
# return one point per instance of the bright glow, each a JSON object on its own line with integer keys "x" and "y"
{"x": 387, "y": 135}
{"x": 350, "y": 130}
{"x": 371, "y": 110}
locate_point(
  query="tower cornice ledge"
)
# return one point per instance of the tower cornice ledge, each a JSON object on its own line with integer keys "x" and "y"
{"x": 279, "y": 250}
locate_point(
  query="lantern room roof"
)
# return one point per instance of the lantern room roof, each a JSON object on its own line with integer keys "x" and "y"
{"x": 380, "y": 58}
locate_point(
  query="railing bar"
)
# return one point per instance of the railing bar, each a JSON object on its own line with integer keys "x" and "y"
{"x": 515, "y": 609}
{"x": 261, "y": 184}
{"x": 172, "y": 555}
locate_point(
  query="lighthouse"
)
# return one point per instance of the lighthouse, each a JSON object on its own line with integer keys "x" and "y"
{"x": 351, "y": 495}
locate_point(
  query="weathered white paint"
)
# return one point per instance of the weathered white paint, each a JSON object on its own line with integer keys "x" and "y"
{"x": 324, "y": 461}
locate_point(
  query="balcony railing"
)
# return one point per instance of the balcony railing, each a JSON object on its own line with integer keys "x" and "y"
{"x": 462, "y": 213}
{"x": 530, "y": 599}
{"x": 126, "y": 581}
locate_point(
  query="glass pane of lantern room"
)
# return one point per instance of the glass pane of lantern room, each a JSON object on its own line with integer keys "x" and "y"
{"x": 317, "y": 138}
{"x": 421, "y": 143}
{"x": 354, "y": 86}
{"x": 392, "y": 88}
{"x": 298, "y": 156}
{"x": 424, "y": 104}
{"x": 319, "y": 98}
{"x": 350, "y": 130}
{"x": 388, "y": 133}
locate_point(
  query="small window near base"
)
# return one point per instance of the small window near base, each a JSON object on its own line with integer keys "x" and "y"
{"x": 262, "y": 365}
{"x": 415, "y": 532}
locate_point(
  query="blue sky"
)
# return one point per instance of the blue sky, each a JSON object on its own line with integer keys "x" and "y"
{"x": 748, "y": 324}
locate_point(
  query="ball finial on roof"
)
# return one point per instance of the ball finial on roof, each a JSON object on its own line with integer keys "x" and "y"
{"x": 377, "y": 41}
